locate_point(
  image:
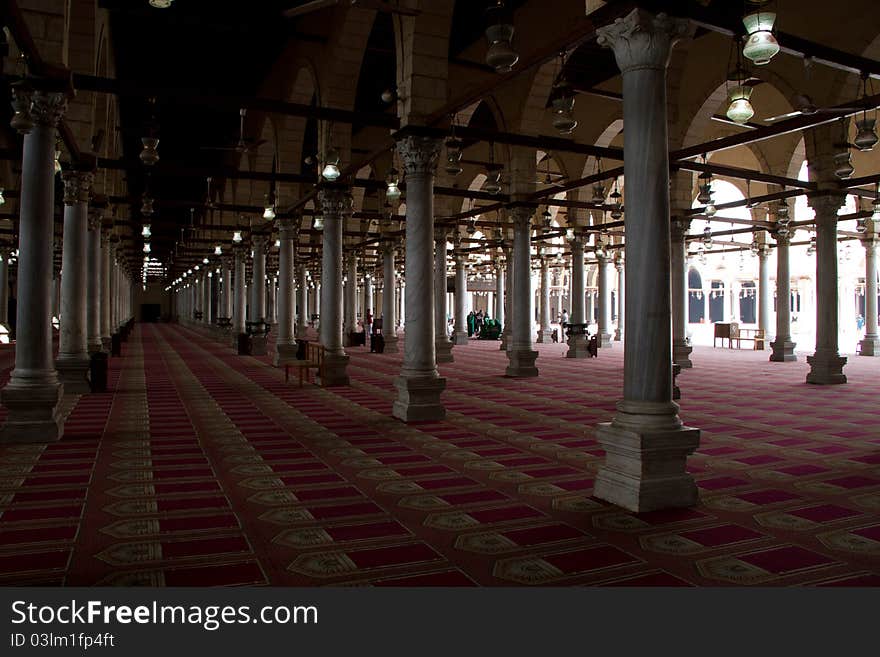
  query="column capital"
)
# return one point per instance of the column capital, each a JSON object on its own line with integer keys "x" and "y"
{"x": 95, "y": 220}
{"x": 335, "y": 202}
{"x": 826, "y": 205}
{"x": 259, "y": 241}
{"x": 680, "y": 229}
{"x": 643, "y": 40}
{"x": 782, "y": 235}
{"x": 419, "y": 154}
{"x": 48, "y": 107}
{"x": 288, "y": 227}
{"x": 441, "y": 233}
{"x": 521, "y": 215}
{"x": 77, "y": 186}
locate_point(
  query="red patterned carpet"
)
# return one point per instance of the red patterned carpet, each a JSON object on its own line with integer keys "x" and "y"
{"x": 205, "y": 468}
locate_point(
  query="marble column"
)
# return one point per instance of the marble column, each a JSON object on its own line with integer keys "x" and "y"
{"x": 500, "y": 285}
{"x": 258, "y": 291}
{"x": 870, "y": 345}
{"x": 764, "y": 293}
{"x": 285, "y": 344}
{"x": 460, "y": 335}
{"x": 441, "y": 334}
{"x": 681, "y": 350}
{"x": 350, "y": 300}
{"x": 108, "y": 251}
{"x": 506, "y": 330}
{"x": 577, "y": 344}
{"x": 646, "y": 446}
{"x": 621, "y": 296}
{"x": 207, "y": 278}
{"x": 389, "y": 302}
{"x": 782, "y": 346}
{"x": 303, "y": 309}
{"x": 228, "y": 299}
{"x": 4, "y": 288}
{"x": 826, "y": 365}
{"x": 336, "y": 206}
{"x": 604, "y": 328}
{"x": 33, "y": 393}
{"x": 271, "y": 299}
{"x": 521, "y": 357}
{"x": 239, "y": 295}
{"x": 94, "y": 292}
{"x": 544, "y": 330}
{"x": 419, "y": 385}
{"x": 72, "y": 362}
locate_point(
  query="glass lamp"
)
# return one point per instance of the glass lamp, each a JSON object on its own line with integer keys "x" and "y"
{"x": 331, "y": 165}
{"x": 236, "y": 237}
{"x": 501, "y": 56}
{"x": 866, "y": 138}
{"x": 392, "y": 193}
{"x": 319, "y": 222}
{"x": 218, "y": 250}
{"x": 269, "y": 212}
{"x": 145, "y": 231}
{"x": 761, "y": 45}
{"x": 740, "y": 109}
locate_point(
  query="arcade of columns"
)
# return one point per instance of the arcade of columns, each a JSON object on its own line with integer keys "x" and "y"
{"x": 646, "y": 443}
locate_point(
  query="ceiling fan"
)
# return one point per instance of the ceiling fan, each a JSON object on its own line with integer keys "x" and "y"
{"x": 378, "y": 5}
{"x": 243, "y": 145}
{"x": 550, "y": 178}
{"x": 805, "y": 105}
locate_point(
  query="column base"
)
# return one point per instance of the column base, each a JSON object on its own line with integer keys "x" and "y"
{"x": 578, "y": 347}
{"x": 604, "y": 340}
{"x": 391, "y": 346}
{"x": 105, "y": 343}
{"x": 681, "y": 352}
{"x": 95, "y": 347}
{"x": 34, "y": 413}
{"x": 783, "y": 351}
{"x": 459, "y": 338}
{"x": 443, "y": 348}
{"x": 284, "y": 353}
{"x": 826, "y": 368}
{"x": 418, "y": 399}
{"x": 545, "y": 336}
{"x": 869, "y": 347}
{"x": 521, "y": 363}
{"x": 645, "y": 470}
{"x": 258, "y": 345}
{"x": 334, "y": 371}
{"x": 74, "y": 374}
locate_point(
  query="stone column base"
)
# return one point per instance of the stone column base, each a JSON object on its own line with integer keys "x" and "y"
{"x": 681, "y": 352}
{"x": 604, "y": 340}
{"x": 258, "y": 345}
{"x": 826, "y": 369}
{"x": 74, "y": 374}
{"x": 545, "y": 336}
{"x": 418, "y": 399}
{"x": 869, "y": 347}
{"x": 34, "y": 413}
{"x": 645, "y": 471}
{"x": 105, "y": 343}
{"x": 95, "y": 347}
{"x": 335, "y": 371}
{"x": 577, "y": 347}
{"x": 391, "y": 346}
{"x": 284, "y": 353}
{"x": 783, "y": 351}
{"x": 521, "y": 363}
{"x": 444, "y": 350}
{"x": 459, "y": 338}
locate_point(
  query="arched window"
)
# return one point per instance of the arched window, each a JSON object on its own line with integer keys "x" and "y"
{"x": 748, "y": 303}
{"x": 716, "y": 302}
{"x": 696, "y": 303}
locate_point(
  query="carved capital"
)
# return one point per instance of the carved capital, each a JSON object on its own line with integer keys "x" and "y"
{"x": 643, "y": 40}
{"x": 335, "y": 203}
{"x": 77, "y": 186}
{"x": 95, "y": 220}
{"x": 680, "y": 229}
{"x": 441, "y": 234}
{"x": 522, "y": 217}
{"x": 259, "y": 243}
{"x": 419, "y": 155}
{"x": 47, "y": 108}
{"x": 782, "y": 235}
{"x": 288, "y": 227}
{"x": 826, "y": 206}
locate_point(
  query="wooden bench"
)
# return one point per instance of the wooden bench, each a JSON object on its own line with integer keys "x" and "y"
{"x": 725, "y": 331}
{"x": 314, "y": 360}
{"x": 755, "y": 336}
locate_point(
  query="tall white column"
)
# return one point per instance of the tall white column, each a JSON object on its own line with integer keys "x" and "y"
{"x": 239, "y": 296}
{"x": 604, "y": 329}
{"x": 389, "y": 302}
{"x": 460, "y": 335}
{"x": 441, "y": 334}
{"x": 500, "y": 285}
{"x": 258, "y": 287}
{"x": 73, "y": 356}
{"x": 621, "y": 296}
{"x": 228, "y": 299}
{"x": 271, "y": 299}
{"x": 870, "y": 345}
{"x": 506, "y": 329}
{"x": 303, "y": 309}
{"x": 681, "y": 350}
{"x": 94, "y": 291}
{"x": 108, "y": 251}
{"x": 33, "y": 392}
{"x": 764, "y": 293}
{"x": 336, "y": 207}
{"x": 419, "y": 385}
{"x": 207, "y": 278}
{"x": 544, "y": 330}
{"x": 368, "y": 314}
{"x": 350, "y": 300}
{"x": 285, "y": 345}
{"x": 521, "y": 357}
{"x": 577, "y": 343}
{"x": 4, "y": 288}
{"x": 826, "y": 365}
{"x": 783, "y": 347}
{"x": 646, "y": 446}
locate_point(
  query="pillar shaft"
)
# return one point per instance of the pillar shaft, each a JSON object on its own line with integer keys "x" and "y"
{"x": 870, "y": 345}
{"x": 419, "y": 385}
{"x": 621, "y": 300}
{"x": 4, "y": 288}
{"x": 521, "y": 357}
{"x": 460, "y": 336}
{"x": 441, "y": 333}
{"x": 285, "y": 345}
{"x": 646, "y": 446}
{"x": 577, "y": 343}
{"x": 389, "y": 302}
{"x": 336, "y": 207}
{"x": 500, "y": 285}
{"x": 681, "y": 350}
{"x": 783, "y": 347}
{"x": 544, "y": 331}
{"x": 258, "y": 287}
{"x": 94, "y": 292}
{"x": 764, "y": 291}
{"x": 33, "y": 392}
{"x": 106, "y": 300}
{"x": 238, "y": 310}
{"x": 604, "y": 328}
{"x": 303, "y": 309}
